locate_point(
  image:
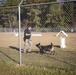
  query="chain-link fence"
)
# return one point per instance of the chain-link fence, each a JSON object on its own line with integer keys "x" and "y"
{"x": 47, "y": 21}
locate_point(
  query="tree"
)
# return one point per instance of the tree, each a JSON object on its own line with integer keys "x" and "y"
{"x": 39, "y": 1}
{"x": 74, "y": 14}
{"x": 34, "y": 16}
{"x": 11, "y": 3}
{"x": 68, "y": 13}
{"x": 8, "y": 17}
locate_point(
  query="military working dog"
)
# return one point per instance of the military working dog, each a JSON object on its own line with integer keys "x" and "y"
{"x": 47, "y": 48}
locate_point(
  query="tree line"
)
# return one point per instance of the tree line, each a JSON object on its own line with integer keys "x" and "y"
{"x": 59, "y": 15}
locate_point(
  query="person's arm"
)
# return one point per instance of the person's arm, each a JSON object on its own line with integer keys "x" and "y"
{"x": 28, "y": 34}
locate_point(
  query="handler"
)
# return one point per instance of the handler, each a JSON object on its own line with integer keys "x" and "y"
{"x": 27, "y": 40}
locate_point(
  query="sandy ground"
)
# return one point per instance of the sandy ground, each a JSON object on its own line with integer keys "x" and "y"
{"x": 9, "y": 39}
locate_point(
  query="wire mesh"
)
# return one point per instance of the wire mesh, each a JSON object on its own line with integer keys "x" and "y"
{"x": 47, "y": 20}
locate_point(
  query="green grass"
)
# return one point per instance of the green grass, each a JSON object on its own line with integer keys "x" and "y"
{"x": 62, "y": 63}
{"x": 61, "y": 59}
{"x": 14, "y": 69}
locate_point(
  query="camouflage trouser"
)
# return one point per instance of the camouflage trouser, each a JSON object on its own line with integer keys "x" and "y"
{"x": 27, "y": 45}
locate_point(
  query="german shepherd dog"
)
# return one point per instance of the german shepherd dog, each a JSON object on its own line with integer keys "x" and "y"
{"x": 49, "y": 48}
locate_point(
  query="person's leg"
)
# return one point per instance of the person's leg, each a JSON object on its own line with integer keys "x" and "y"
{"x": 25, "y": 46}
{"x": 30, "y": 45}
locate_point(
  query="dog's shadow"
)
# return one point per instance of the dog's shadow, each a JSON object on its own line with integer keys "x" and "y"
{"x": 35, "y": 51}
{"x": 57, "y": 46}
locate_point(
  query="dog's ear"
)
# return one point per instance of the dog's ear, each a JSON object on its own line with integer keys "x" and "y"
{"x": 39, "y": 43}
{"x": 51, "y": 43}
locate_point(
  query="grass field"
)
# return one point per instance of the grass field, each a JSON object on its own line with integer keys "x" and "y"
{"x": 63, "y": 58}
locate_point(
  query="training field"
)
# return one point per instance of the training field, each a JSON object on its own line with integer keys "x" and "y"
{"x": 63, "y": 58}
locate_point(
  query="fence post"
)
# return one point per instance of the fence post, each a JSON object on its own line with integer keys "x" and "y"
{"x": 20, "y": 35}
{"x": 20, "y": 31}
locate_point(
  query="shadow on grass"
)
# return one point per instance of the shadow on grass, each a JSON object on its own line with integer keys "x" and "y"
{"x": 57, "y": 46}
{"x": 63, "y": 61}
{"x": 35, "y": 51}
{"x": 9, "y": 57}
{"x": 12, "y": 47}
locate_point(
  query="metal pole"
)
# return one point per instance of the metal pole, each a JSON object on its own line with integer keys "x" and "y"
{"x": 20, "y": 35}
{"x": 20, "y": 32}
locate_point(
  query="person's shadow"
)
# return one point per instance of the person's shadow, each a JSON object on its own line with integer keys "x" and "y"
{"x": 9, "y": 57}
{"x": 15, "y": 48}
